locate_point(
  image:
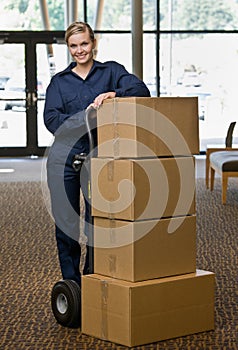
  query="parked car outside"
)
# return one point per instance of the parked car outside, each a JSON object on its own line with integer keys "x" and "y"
{"x": 3, "y": 80}
{"x": 14, "y": 94}
{"x": 190, "y": 79}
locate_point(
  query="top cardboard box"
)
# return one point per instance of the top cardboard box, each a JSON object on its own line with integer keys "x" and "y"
{"x": 148, "y": 126}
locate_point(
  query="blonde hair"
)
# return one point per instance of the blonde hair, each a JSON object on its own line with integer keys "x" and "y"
{"x": 78, "y": 27}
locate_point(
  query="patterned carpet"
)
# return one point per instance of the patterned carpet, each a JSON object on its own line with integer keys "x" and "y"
{"x": 29, "y": 268}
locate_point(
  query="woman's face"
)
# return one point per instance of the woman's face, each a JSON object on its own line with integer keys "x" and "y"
{"x": 81, "y": 47}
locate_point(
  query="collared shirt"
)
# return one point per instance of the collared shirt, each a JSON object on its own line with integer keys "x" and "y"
{"x": 68, "y": 94}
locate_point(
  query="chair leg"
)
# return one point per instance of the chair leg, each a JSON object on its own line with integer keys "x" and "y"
{"x": 212, "y": 176}
{"x": 207, "y": 170}
{"x": 224, "y": 187}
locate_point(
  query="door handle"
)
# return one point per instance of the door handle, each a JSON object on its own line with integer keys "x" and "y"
{"x": 28, "y": 99}
{"x": 31, "y": 99}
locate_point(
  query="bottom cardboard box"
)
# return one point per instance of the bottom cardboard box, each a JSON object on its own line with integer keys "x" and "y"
{"x": 137, "y": 313}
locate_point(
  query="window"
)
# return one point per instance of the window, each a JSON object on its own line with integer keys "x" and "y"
{"x": 190, "y": 48}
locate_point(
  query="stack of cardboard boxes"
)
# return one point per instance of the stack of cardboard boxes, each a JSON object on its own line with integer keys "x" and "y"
{"x": 145, "y": 285}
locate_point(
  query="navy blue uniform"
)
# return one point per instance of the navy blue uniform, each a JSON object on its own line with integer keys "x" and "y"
{"x": 67, "y": 97}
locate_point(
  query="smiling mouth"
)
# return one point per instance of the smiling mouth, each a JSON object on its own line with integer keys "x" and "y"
{"x": 81, "y": 56}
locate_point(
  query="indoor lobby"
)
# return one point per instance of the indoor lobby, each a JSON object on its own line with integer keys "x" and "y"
{"x": 187, "y": 297}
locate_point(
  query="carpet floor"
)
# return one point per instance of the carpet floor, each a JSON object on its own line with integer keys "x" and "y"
{"x": 29, "y": 268}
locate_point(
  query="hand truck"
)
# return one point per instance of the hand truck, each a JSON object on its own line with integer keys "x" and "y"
{"x": 66, "y": 294}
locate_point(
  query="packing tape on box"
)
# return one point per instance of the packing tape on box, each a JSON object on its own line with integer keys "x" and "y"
{"x": 110, "y": 211}
{"x": 104, "y": 305}
{"x": 116, "y": 145}
{"x": 110, "y": 170}
{"x": 112, "y": 257}
{"x": 112, "y": 261}
{"x": 110, "y": 177}
{"x": 112, "y": 231}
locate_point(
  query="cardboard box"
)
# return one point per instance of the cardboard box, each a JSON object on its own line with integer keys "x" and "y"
{"x": 139, "y": 189}
{"x": 141, "y": 250}
{"x": 148, "y": 126}
{"x": 138, "y": 313}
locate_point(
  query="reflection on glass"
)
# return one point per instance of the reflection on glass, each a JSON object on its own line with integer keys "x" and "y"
{"x": 149, "y": 62}
{"x": 196, "y": 66}
{"x": 149, "y": 14}
{"x": 12, "y": 96}
{"x": 27, "y": 15}
{"x": 115, "y": 47}
{"x": 198, "y": 15}
{"x": 113, "y": 15}
{"x": 50, "y": 60}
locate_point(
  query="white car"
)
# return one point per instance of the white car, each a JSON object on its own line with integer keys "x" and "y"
{"x": 3, "y": 80}
{"x": 14, "y": 94}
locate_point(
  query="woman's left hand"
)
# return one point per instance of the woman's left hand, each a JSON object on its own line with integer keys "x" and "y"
{"x": 100, "y": 98}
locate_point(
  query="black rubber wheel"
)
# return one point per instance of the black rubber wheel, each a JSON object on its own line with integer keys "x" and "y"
{"x": 66, "y": 303}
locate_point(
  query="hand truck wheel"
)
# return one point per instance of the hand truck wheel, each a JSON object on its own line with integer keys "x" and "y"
{"x": 66, "y": 303}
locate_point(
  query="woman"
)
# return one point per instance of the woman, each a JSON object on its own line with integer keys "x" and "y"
{"x": 84, "y": 83}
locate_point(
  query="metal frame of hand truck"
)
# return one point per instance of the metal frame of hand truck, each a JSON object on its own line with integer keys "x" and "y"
{"x": 66, "y": 294}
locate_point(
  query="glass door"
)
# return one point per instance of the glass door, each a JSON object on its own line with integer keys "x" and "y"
{"x": 51, "y": 58}
{"x": 28, "y": 61}
{"x": 13, "y": 96}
